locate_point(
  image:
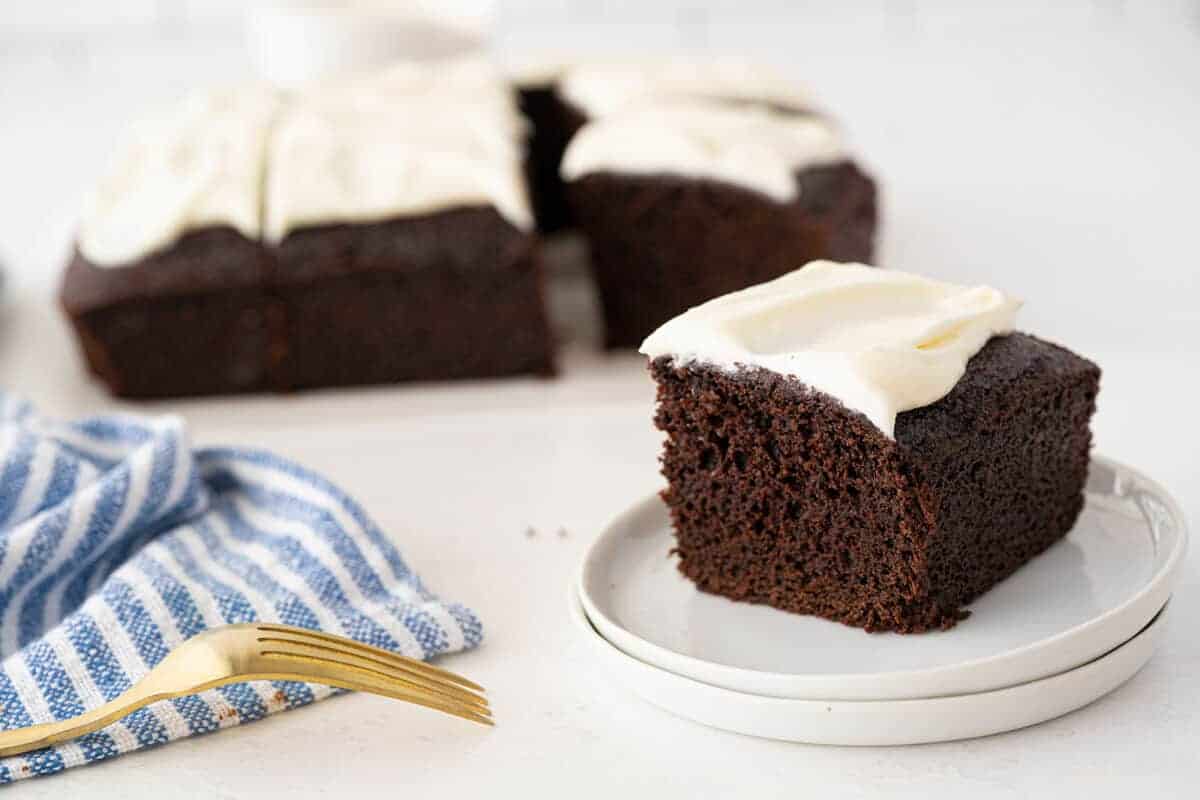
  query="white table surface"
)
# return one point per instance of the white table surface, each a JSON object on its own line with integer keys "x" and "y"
{"x": 1079, "y": 195}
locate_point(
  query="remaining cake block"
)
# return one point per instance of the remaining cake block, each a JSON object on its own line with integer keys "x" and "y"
{"x": 685, "y": 202}
{"x": 808, "y": 500}
{"x": 365, "y": 232}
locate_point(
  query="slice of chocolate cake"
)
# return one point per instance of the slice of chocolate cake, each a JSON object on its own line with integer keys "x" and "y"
{"x": 683, "y": 202}
{"x": 865, "y": 445}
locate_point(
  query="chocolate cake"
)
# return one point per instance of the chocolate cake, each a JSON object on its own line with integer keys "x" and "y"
{"x": 682, "y": 203}
{"x": 560, "y": 99}
{"x": 367, "y": 232}
{"x": 941, "y": 453}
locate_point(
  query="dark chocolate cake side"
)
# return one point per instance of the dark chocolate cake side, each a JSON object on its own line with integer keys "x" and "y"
{"x": 1005, "y": 456}
{"x": 453, "y": 294}
{"x": 780, "y": 495}
{"x": 661, "y": 243}
{"x": 193, "y": 319}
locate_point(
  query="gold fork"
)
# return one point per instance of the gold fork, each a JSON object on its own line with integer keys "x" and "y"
{"x": 260, "y": 651}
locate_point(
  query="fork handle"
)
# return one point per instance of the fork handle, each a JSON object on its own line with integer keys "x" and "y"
{"x": 35, "y": 737}
{"x": 179, "y": 674}
{"x": 195, "y": 668}
{"x": 147, "y": 691}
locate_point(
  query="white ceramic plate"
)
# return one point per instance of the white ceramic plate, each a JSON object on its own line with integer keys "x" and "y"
{"x": 1086, "y": 595}
{"x": 875, "y": 722}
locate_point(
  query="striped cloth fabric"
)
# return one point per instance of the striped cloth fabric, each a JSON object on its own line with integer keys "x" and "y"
{"x": 118, "y": 541}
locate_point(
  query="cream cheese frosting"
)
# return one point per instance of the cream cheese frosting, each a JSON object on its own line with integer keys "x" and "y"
{"x": 879, "y": 341}
{"x": 601, "y": 88}
{"x": 363, "y": 165}
{"x": 196, "y": 166}
{"x": 752, "y": 146}
{"x": 411, "y": 139}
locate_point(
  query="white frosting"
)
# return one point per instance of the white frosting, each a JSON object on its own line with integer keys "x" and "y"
{"x": 409, "y": 141}
{"x": 200, "y": 165}
{"x": 361, "y": 166}
{"x": 879, "y": 341}
{"x": 412, "y": 139}
{"x": 601, "y": 88}
{"x": 751, "y": 146}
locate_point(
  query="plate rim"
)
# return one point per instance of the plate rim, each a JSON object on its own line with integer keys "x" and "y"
{"x": 944, "y": 718}
{"x": 1121, "y": 622}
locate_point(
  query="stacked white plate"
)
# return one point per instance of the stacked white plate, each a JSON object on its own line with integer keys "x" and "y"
{"x": 1067, "y": 628}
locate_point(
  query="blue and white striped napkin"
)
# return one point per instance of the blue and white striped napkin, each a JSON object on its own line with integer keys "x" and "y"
{"x": 118, "y": 542}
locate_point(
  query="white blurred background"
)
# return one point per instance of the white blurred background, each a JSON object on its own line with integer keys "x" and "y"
{"x": 1047, "y": 148}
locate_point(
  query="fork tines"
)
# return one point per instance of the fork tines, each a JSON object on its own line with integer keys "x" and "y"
{"x": 359, "y": 666}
